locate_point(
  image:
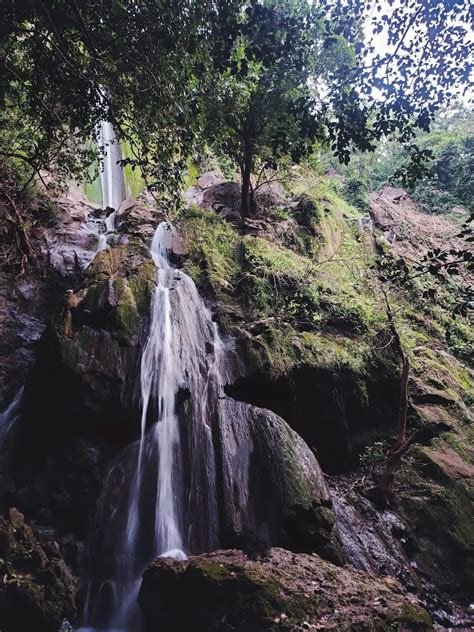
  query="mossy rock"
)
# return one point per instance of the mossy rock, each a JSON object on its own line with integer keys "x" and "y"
{"x": 227, "y": 591}
{"x": 37, "y": 590}
{"x": 435, "y": 498}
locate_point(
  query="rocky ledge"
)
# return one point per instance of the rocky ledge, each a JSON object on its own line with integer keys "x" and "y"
{"x": 37, "y": 590}
{"x": 226, "y": 591}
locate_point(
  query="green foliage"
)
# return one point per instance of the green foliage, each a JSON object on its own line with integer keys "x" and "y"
{"x": 307, "y": 212}
{"x": 355, "y": 190}
{"x": 133, "y": 175}
{"x": 48, "y": 212}
{"x": 431, "y": 199}
{"x": 259, "y": 81}
{"x": 281, "y": 213}
{"x": 66, "y": 67}
{"x": 446, "y": 182}
{"x": 260, "y": 110}
{"x": 373, "y": 457}
{"x": 212, "y": 246}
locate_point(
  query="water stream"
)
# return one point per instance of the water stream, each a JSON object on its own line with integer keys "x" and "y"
{"x": 112, "y": 179}
{"x": 159, "y": 496}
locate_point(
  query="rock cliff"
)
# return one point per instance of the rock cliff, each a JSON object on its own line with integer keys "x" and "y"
{"x": 311, "y": 383}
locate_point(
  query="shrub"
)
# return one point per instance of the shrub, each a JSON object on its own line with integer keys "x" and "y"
{"x": 354, "y": 191}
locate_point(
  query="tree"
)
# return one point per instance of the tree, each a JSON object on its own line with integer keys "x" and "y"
{"x": 300, "y": 71}
{"x": 382, "y": 492}
{"x": 261, "y": 108}
{"x": 262, "y": 79}
{"x": 66, "y": 65}
{"x": 416, "y": 59}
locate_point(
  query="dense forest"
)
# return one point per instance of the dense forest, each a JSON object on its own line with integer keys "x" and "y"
{"x": 236, "y": 297}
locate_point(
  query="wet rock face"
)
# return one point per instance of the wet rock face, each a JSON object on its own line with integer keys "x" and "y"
{"x": 65, "y": 247}
{"x": 37, "y": 590}
{"x": 70, "y": 244}
{"x": 88, "y": 359}
{"x": 418, "y": 549}
{"x": 330, "y": 412}
{"x": 137, "y": 218}
{"x": 436, "y": 504}
{"x": 273, "y": 490}
{"x": 228, "y": 592}
{"x": 81, "y": 401}
{"x": 22, "y": 320}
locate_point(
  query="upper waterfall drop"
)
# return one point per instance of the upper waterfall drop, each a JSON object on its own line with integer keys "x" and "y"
{"x": 112, "y": 177}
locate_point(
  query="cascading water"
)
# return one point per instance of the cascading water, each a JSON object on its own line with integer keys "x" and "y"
{"x": 10, "y": 415}
{"x": 112, "y": 178}
{"x": 113, "y": 182}
{"x": 154, "y": 502}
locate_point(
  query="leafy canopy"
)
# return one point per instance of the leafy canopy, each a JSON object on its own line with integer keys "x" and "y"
{"x": 66, "y": 65}
{"x": 259, "y": 79}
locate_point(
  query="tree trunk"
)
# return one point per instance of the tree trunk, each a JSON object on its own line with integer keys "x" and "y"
{"x": 246, "y": 184}
{"x": 253, "y": 201}
{"x": 382, "y": 493}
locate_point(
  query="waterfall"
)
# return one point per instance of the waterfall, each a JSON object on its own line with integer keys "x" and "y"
{"x": 7, "y": 420}
{"x": 154, "y": 502}
{"x": 9, "y": 416}
{"x": 160, "y": 376}
{"x": 112, "y": 178}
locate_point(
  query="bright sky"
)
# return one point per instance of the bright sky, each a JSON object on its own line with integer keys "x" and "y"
{"x": 380, "y": 40}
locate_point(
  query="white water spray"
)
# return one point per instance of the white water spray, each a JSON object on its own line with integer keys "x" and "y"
{"x": 112, "y": 178}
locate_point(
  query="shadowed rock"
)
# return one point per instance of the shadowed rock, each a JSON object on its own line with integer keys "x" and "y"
{"x": 37, "y": 589}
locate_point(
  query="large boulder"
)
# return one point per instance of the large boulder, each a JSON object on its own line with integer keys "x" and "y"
{"x": 137, "y": 218}
{"x": 71, "y": 242}
{"x": 226, "y": 198}
{"x": 228, "y": 592}
{"x": 89, "y": 354}
{"x": 64, "y": 234}
{"x": 223, "y": 197}
{"x": 37, "y": 590}
{"x": 273, "y": 490}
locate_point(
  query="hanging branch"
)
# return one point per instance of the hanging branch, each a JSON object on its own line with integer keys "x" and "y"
{"x": 25, "y": 243}
{"x": 382, "y": 492}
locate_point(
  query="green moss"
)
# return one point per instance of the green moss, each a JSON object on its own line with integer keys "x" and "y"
{"x": 270, "y": 258}
{"x": 436, "y": 501}
{"x": 192, "y": 174}
{"x": 126, "y": 311}
{"x": 267, "y": 600}
{"x": 253, "y": 597}
{"x": 460, "y": 442}
{"x": 442, "y": 374}
{"x": 416, "y": 617}
{"x": 213, "y": 248}
{"x": 142, "y": 283}
{"x": 213, "y": 570}
{"x": 106, "y": 263}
